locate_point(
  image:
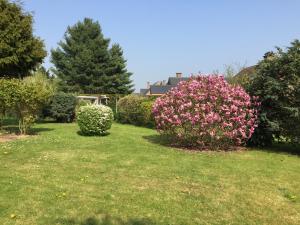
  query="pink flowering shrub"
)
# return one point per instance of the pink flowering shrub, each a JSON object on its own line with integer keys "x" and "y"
{"x": 206, "y": 112}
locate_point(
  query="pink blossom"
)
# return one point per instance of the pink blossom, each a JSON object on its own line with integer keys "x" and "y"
{"x": 207, "y": 111}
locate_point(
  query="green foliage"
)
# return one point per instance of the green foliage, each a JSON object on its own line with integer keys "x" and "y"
{"x": 20, "y": 51}
{"x": 25, "y": 98}
{"x": 94, "y": 119}
{"x": 146, "y": 114}
{"x": 135, "y": 110}
{"x": 7, "y": 98}
{"x": 129, "y": 109}
{"x": 118, "y": 78}
{"x": 85, "y": 64}
{"x": 277, "y": 83}
{"x": 62, "y": 107}
{"x": 35, "y": 92}
{"x": 81, "y": 103}
{"x": 238, "y": 74}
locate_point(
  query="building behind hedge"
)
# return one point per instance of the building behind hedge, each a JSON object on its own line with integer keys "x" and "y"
{"x": 161, "y": 87}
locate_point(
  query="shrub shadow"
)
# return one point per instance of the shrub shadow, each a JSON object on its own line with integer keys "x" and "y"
{"x": 160, "y": 140}
{"x": 86, "y": 135}
{"x": 106, "y": 220}
{"x": 276, "y": 148}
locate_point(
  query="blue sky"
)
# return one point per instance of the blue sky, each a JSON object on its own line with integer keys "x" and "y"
{"x": 162, "y": 37}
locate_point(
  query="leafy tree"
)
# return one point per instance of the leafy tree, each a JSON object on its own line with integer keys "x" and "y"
{"x": 118, "y": 79}
{"x": 25, "y": 98}
{"x": 20, "y": 50}
{"x": 277, "y": 83}
{"x": 34, "y": 93}
{"x": 84, "y": 63}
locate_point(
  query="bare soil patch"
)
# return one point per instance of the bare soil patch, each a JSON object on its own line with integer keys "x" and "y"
{"x": 10, "y": 137}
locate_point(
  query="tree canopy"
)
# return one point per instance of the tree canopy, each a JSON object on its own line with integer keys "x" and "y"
{"x": 84, "y": 62}
{"x": 20, "y": 50}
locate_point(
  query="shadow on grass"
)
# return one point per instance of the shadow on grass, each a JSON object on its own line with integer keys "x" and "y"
{"x": 11, "y": 126}
{"x": 283, "y": 148}
{"x": 13, "y": 129}
{"x": 160, "y": 140}
{"x": 91, "y": 135}
{"x": 107, "y": 220}
{"x": 276, "y": 148}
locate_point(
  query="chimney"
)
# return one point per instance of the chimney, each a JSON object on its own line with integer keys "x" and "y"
{"x": 178, "y": 75}
{"x": 148, "y": 85}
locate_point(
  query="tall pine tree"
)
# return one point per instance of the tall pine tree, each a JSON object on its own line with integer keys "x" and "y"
{"x": 118, "y": 77}
{"x": 83, "y": 61}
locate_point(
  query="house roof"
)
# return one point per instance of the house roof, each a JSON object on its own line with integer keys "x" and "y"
{"x": 175, "y": 80}
{"x": 144, "y": 91}
{"x": 161, "y": 87}
{"x": 154, "y": 89}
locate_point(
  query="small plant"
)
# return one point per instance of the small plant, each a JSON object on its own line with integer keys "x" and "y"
{"x": 206, "y": 112}
{"x": 94, "y": 119}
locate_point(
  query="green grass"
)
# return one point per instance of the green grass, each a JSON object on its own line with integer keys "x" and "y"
{"x": 127, "y": 177}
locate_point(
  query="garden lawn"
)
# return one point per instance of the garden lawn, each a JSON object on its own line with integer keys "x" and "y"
{"x": 127, "y": 177}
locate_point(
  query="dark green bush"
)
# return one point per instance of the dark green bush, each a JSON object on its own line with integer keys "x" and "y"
{"x": 135, "y": 110}
{"x": 62, "y": 107}
{"x": 277, "y": 83}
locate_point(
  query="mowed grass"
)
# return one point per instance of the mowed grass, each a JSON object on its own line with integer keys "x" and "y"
{"x": 60, "y": 177}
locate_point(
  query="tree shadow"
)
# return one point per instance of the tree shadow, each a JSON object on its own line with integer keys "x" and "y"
{"x": 168, "y": 141}
{"x": 107, "y": 220}
{"x": 14, "y": 129}
{"x": 11, "y": 126}
{"x": 292, "y": 149}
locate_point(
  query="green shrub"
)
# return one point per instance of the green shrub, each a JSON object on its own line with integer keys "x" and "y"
{"x": 135, "y": 110}
{"x": 25, "y": 98}
{"x": 81, "y": 103}
{"x": 34, "y": 93}
{"x": 94, "y": 119}
{"x": 62, "y": 107}
{"x": 277, "y": 83}
{"x": 7, "y": 98}
{"x": 146, "y": 114}
{"x": 129, "y": 109}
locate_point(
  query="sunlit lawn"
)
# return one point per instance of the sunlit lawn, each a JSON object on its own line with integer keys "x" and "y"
{"x": 127, "y": 177}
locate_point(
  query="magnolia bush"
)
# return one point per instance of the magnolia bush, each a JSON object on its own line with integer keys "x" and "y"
{"x": 94, "y": 119}
{"x": 206, "y": 112}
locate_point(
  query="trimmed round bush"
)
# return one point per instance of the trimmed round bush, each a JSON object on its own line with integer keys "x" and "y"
{"x": 206, "y": 112}
{"x": 94, "y": 119}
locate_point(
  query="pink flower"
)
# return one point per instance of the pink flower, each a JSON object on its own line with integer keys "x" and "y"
{"x": 206, "y": 110}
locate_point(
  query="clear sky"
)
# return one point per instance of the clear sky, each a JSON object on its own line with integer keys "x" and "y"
{"x": 162, "y": 37}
